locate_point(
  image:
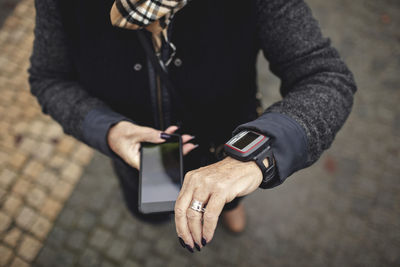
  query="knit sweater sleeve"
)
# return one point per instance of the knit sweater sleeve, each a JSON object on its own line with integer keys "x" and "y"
{"x": 53, "y": 81}
{"x": 316, "y": 86}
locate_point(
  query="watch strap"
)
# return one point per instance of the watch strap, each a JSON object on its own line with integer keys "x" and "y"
{"x": 267, "y": 172}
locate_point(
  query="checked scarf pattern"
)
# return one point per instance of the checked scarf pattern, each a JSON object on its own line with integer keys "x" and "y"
{"x": 153, "y": 15}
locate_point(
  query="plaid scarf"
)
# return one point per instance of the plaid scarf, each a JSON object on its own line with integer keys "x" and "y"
{"x": 154, "y": 15}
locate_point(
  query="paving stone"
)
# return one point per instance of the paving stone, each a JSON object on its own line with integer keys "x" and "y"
{"x": 47, "y": 179}
{"x": 107, "y": 264}
{"x": 36, "y": 127}
{"x": 67, "y": 218}
{"x": 62, "y": 190}
{"x": 21, "y": 187}
{"x": 117, "y": 250}
{"x": 153, "y": 262}
{"x": 51, "y": 208}
{"x": 53, "y": 131}
{"x": 76, "y": 240}
{"x": 17, "y": 160}
{"x": 139, "y": 249}
{"x": 127, "y": 229}
{"x": 65, "y": 258}
{"x": 100, "y": 238}
{"x": 130, "y": 263}
{"x": 57, "y": 237}
{"x": 41, "y": 227}
{"x": 57, "y": 161}
{"x": 66, "y": 145}
{"x": 12, "y": 204}
{"x": 181, "y": 261}
{"x": 17, "y": 262}
{"x": 89, "y": 258}
{"x": 83, "y": 154}
{"x": 5, "y": 255}
{"x": 30, "y": 112}
{"x": 8, "y": 142}
{"x": 3, "y": 158}
{"x": 29, "y": 248}
{"x": 44, "y": 151}
{"x": 47, "y": 257}
{"x": 5, "y": 222}
{"x": 36, "y": 197}
{"x": 147, "y": 231}
{"x": 33, "y": 168}
{"x": 71, "y": 172}
{"x": 3, "y": 194}
{"x": 20, "y": 127}
{"x": 12, "y": 237}
{"x": 165, "y": 246}
{"x": 27, "y": 145}
{"x": 95, "y": 203}
{"x": 26, "y": 218}
{"x": 110, "y": 217}
{"x": 86, "y": 221}
{"x": 7, "y": 177}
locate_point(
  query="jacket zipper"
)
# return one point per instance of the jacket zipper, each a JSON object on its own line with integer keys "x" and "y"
{"x": 159, "y": 102}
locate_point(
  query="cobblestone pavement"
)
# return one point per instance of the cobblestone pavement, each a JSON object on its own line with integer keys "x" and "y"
{"x": 6, "y": 7}
{"x": 39, "y": 166}
{"x": 343, "y": 211}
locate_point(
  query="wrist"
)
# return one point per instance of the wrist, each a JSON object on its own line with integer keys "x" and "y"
{"x": 116, "y": 132}
{"x": 250, "y": 168}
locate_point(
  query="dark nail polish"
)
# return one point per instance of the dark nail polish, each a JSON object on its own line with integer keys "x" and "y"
{"x": 182, "y": 242}
{"x": 189, "y": 248}
{"x": 192, "y": 137}
{"x": 196, "y": 146}
{"x": 165, "y": 136}
{"x": 203, "y": 242}
{"x": 197, "y": 246}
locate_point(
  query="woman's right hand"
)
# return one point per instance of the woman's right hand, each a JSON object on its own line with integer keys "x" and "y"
{"x": 124, "y": 139}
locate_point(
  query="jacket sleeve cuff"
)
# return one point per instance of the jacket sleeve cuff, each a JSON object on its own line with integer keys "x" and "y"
{"x": 95, "y": 128}
{"x": 289, "y": 141}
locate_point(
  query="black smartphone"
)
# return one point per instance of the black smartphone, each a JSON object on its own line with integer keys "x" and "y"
{"x": 160, "y": 175}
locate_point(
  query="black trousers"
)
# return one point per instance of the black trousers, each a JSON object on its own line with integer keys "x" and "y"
{"x": 129, "y": 182}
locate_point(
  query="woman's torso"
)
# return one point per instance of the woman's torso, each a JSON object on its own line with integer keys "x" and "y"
{"x": 217, "y": 47}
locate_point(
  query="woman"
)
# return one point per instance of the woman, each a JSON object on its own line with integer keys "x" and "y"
{"x": 96, "y": 81}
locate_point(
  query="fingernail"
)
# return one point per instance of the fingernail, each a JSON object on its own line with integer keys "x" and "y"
{"x": 192, "y": 137}
{"x": 189, "y": 248}
{"x": 196, "y": 146}
{"x": 203, "y": 242}
{"x": 165, "y": 136}
{"x": 197, "y": 246}
{"x": 182, "y": 242}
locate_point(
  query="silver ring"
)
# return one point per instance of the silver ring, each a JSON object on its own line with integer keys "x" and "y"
{"x": 197, "y": 206}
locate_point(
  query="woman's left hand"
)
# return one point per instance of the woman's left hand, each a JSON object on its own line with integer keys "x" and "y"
{"x": 214, "y": 185}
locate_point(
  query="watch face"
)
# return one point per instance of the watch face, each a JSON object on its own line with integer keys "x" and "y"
{"x": 246, "y": 145}
{"x": 246, "y": 140}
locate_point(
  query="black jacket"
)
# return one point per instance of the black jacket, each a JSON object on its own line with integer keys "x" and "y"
{"x": 89, "y": 75}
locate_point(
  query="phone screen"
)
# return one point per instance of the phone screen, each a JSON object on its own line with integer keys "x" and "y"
{"x": 161, "y": 172}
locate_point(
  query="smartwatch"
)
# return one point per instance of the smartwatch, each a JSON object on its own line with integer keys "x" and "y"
{"x": 251, "y": 146}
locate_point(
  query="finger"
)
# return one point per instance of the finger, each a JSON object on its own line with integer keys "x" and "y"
{"x": 186, "y": 138}
{"x": 132, "y": 155}
{"x": 147, "y": 134}
{"x": 195, "y": 217}
{"x": 181, "y": 206}
{"x": 210, "y": 217}
{"x": 186, "y": 148}
{"x": 171, "y": 129}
